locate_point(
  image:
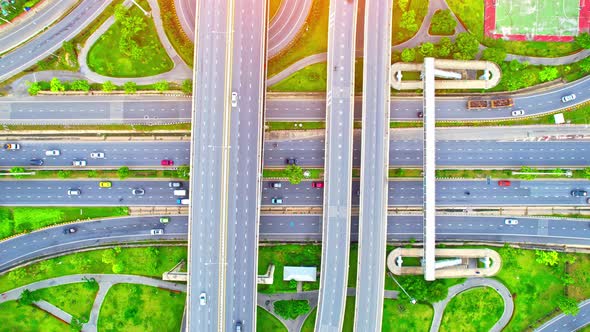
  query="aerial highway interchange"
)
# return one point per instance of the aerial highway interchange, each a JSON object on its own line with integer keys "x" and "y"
{"x": 231, "y": 207}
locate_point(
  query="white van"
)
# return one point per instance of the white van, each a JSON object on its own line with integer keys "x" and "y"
{"x": 180, "y": 192}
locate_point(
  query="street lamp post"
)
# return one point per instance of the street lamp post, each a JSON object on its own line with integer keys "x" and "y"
{"x": 412, "y": 300}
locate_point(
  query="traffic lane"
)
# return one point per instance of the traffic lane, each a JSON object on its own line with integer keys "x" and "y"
{"x": 53, "y": 240}
{"x": 39, "y": 192}
{"x": 141, "y": 153}
{"x": 449, "y": 193}
{"x": 568, "y": 323}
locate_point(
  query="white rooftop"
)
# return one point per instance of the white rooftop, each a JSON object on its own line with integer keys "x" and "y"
{"x": 300, "y": 273}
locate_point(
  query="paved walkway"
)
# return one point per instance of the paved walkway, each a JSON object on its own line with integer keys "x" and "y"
{"x": 179, "y": 73}
{"x": 105, "y": 282}
{"x": 439, "y": 307}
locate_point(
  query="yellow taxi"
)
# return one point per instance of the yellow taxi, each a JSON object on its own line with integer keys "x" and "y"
{"x": 105, "y": 184}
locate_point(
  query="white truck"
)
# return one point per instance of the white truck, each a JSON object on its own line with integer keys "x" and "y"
{"x": 180, "y": 192}
{"x": 183, "y": 201}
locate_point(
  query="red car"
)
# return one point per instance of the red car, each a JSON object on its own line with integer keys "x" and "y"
{"x": 167, "y": 162}
{"x": 504, "y": 183}
{"x": 317, "y": 184}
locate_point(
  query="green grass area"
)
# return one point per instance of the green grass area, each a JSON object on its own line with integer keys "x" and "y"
{"x": 291, "y": 309}
{"x": 473, "y": 310}
{"x": 309, "y": 79}
{"x": 16, "y": 220}
{"x": 140, "y": 261}
{"x": 290, "y": 255}
{"x": 580, "y": 271}
{"x": 309, "y": 324}
{"x": 499, "y": 174}
{"x": 295, "y": 125}
{"x": 404, "y": 172}
{"x": 266, "y": 322}
{"x": 471, "y": 12}
{"x": 130, "y": 307}
{"x": 348, "y": 322}
{"x": 183, "y": 45}
{"x": 273, "y": 7}
{"x": 106, "y": 58}
{"x": 15, "y": 9}
{"x": 316, "y": 173}
{"x": 75, "y": 299}
{"x": 400, "y": 315}
{"x": 16, "y": 317}
{"x": 312, "y": 39}
{"x": 185, "y": 127}
{"x": 400, "y": 34}
{"x": 101, "y": 174}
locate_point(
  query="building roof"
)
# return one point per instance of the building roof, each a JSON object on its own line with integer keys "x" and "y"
{"x": 300, "y": 273}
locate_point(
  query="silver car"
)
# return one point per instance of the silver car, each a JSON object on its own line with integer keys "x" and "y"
{"x": 97, "y": 155}
{"x": 234, "y": 99}
{"x": 518, "y": 112}
{"x": 511, "y": 221}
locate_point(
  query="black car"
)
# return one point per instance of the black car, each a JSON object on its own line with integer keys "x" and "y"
{"x": 420, "y": 115}
{"x": 70, "y": 230}
{"x": 579, "y": 193}
{"x": 291, "y": 161}
{"x": 36, "y": 162}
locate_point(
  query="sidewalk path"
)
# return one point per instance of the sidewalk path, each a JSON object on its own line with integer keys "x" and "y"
{"x": 53, "y": 310}
{"x": 179, "y": 73}
{"x": 439, "y": 307}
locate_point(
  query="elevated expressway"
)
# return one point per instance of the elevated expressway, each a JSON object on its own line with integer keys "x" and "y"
{"x": 338, "y": 165}
{"x": 370, "y": 282}
{"x": 209, "y": 157}
{"x": 245, "y": 163}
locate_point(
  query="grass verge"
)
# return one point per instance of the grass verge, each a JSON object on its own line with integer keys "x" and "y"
{"x": 315, "y": 173}
{"x": 101, "y": 174}
{"x": 309, "y": 324}
{"x": 146, "y": 261}
{"x": 266, "y": 322}
{"x": 296, "y": 125}
{"x": 137, "y": 128}
{"x": 130, "y": 307}
{"x": 183, "y": 45}
{"x": 474, "y": 310}
{"x": 106, "y": 57}
{"x": 75, "y": 299}
{"x": 16, "y": 220}
{"x": 16, "y": 317}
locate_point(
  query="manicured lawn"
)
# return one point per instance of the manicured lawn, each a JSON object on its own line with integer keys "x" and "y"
{"x": 296, "y": 125}
{"x": 309, "y": 79}
{"x": 102, "y": 174}
{"x": 273, "y": 7}
{"x": 290, "y": 255}
{"x": 186, "y": 127}
{"x": 183, "y": 45}
{"x": 470, "y": 12}
{"x": 313, "y": 39}
{"x": 400, "y": 315}
{"x": 106, "y": 58}
{"x": 309, "y": 324}
{"x": 348, "y": 323}
{"x": 140, "y": 261}
{"x": 404, "y": 172}
{"x": 131, "y": 307}
{"x": 316, "y": 173}
{"x": 75, "y": 299}
{"x": 15, "y": 220}
{"x": 399, "y": 34}
{"x": 266, "y": 322}
{"x": 16, "y": 317}
{"x": 473, "y": 310}
{"x": 352, "y": 264}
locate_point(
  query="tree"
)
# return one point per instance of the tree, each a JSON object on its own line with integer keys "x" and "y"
{"x": 427, "y": 49}
{"x": 294, "y": 173}
{"x": 118, "y": 267}
{"x": 161, "y": 85}
{"x": 583, "y": 40}
{"x": 291, "y": 309}
{"x": 123, "y": 172}
{"x": 80, "y": 85}
{"x": 187, "y": 86}
{"x": 17, "y": 170}
{"x": 120, "y": 13}
{"x": 56, "y": 85}
{"x": 493, "y": 54}
{"x": 443, "y": 23}
{"x": 27, "y": 297}
{"x": 90, "y": 284}
{"x": 548, "y": 74}
{"x": 408, "y": 21}
{"x": 568, "y": 305}
{"x": 466, "y": 46}
{"x": 183, "y": 172}
{"x": 108, "y": 86}
{"x": 403, "y": 4}
{"x": 33, "y": 88}
{"x": 136, "y": 52}
{"x": 444, "y": 47}
{"x": 130, "y": 87}
{"x": 408, "y": 55}
{"x": 548, "y": 258}
{"x": 585, "y": 64}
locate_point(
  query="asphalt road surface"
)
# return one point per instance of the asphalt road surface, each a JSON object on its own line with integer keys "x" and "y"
{"x": 448, "y": 193}
{"x": 161, "y": 110}
{"x": 567, "y": 323}
{"x": 50, "y": 241}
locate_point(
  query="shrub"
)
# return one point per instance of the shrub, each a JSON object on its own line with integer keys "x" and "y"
{"x": 291, "y": 309}
{"x": 161, "y": 86}
{"x": 443, "y": 23}
{"x": 187, "y": 86}
{"x": 108, "y": 86}
{"x": 130, "y": 87}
